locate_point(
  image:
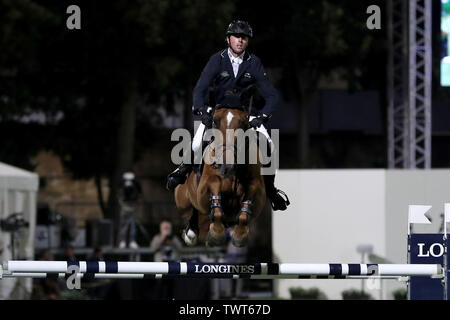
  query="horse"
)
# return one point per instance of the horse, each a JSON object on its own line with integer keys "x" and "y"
{"x": 226, "y": 195}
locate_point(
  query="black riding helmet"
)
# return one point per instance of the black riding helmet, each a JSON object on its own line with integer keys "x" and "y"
{"x": 240, "y": 27}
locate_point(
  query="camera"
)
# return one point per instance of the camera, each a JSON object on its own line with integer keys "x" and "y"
{"x": 13, "y": 223}
{"x": 130, "y": 188}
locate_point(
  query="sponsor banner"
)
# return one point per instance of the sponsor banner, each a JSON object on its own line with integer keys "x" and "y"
{"x": 429, "y": 249}
{"x": 200, "y": 268}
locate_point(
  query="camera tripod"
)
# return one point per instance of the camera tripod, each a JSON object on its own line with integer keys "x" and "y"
{"x": 14, "y": 224}
{"x": 129, "y": 222}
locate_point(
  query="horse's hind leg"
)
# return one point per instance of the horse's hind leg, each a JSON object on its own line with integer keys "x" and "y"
{"x": 239, "y": 237}
{"x": 252, "y": 205}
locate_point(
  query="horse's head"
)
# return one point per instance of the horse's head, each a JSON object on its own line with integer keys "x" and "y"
{"x": 225, "y": 118}
{"x": 227, "y": 121}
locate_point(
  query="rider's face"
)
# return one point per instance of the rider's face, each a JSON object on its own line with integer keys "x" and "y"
{"x": 238, "y": 43}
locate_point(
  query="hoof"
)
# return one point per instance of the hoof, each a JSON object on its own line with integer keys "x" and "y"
{"x": 239, "y": 242}
{"x": 212, "y": 241}
{"x": 189, "y": 237}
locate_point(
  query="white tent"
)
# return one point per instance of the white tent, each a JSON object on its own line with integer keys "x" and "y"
{"x": 18, "y": 192}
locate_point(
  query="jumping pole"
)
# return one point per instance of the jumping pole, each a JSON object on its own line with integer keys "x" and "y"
{"x": 214, "y": 270}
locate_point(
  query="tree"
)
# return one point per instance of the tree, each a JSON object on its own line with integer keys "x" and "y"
{"x": 310, "y": 39}
{"x": 90, "y": 83}
{"x": 27, "y": 100}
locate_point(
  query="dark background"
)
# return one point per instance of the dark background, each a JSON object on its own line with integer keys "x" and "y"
{"x": 99, "y": 97}
{"x": 91, "y": 95}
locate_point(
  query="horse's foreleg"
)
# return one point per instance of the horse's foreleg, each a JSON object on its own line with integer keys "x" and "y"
{"x": 203, "y": 224}
{"x": 216, "y": 234}
{"x": 187, "y": 210}
{"x": 251, "y": 207}
{"x": 190, "y": 234}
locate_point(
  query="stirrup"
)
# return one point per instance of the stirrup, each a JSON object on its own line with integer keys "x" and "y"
{"x": 277, "y": 206}
{"x": 284, "y": 194}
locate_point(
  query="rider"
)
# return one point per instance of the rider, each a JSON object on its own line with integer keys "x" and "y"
{"x": 228, "y": 79}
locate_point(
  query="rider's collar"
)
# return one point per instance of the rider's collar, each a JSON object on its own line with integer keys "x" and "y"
{"x": 246, "y": 55}
{"x": 237, "y": 59}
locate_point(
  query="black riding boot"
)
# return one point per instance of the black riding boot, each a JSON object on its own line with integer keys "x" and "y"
{"x": 178, "y": 176}
{"x": 274, "y": 194}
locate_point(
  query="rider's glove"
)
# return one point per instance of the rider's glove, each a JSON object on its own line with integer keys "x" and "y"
{"x": 197, "y": 111}
{"x": 205, "y": 116}
{"x": 259, "y": 120}
{"x": 207, "y": 119}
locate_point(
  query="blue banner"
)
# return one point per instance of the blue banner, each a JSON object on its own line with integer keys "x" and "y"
{"x": 426, "y": 248}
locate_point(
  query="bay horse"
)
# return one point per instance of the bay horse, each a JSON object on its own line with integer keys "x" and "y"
{"x": 226, "y": 195}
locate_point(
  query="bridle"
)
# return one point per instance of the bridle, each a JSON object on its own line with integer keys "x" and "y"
{"x": 224, "y": 168}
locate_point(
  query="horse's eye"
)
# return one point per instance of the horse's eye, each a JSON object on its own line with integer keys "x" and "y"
{"x": 216, "y": 122}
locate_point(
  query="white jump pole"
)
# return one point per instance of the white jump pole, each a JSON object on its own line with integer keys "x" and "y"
{"x": 187, "y": 276}
{"x": 183, "y": 268}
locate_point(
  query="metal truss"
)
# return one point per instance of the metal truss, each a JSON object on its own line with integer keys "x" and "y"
{"x": 409, "y": 84}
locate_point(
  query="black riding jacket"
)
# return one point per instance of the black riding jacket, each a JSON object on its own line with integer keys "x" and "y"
{"x": 218, "y": 85}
